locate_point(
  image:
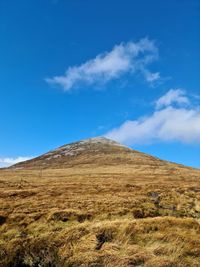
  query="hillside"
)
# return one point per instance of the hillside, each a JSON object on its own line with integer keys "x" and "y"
{"x": 103, "y": 152}
{"x": 98, "y": 203}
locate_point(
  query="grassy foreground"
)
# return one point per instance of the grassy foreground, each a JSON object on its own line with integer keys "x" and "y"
{"x": 98, "y": 216}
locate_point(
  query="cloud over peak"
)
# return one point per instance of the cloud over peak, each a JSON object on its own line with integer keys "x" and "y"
{"x": 167, "y": 124}
{"x": 131, "y": 57}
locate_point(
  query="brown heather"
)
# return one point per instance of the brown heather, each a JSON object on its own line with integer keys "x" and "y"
{"x": 97, "y": 204}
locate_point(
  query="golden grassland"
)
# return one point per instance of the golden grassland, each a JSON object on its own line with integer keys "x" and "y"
{"x": 96, "y": 216}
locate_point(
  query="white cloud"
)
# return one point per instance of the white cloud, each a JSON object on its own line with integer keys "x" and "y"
{"x": 167, "y": 124}
{"x": 6, "y": 162}
{"x": 124, "y": 58}
{"x": 177, "y": 96}
{"x": 151, "y": 77}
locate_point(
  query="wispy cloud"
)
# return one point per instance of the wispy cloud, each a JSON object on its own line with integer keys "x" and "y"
{"x": 131, "y": 57}
{"x": 6, "y": 162}
{"x": 151, "y": 77}
{"x": 173, "y": 96}
{"x": 170, "y": 123}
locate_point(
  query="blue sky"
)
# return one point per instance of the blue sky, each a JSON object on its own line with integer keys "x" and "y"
{"x": 127, "y": 69}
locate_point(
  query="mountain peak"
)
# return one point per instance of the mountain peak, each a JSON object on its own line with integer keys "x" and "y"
{"x": 91, "y": 150}
{"x": 90, "y": 145}
{"x": 100, "y": 140}
{"x": 91, "y": 153}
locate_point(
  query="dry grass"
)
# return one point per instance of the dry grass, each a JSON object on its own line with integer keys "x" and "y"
{"x": 100, "y": 216}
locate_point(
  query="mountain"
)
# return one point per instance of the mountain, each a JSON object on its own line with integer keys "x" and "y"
{"x": 99, "y": 152}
